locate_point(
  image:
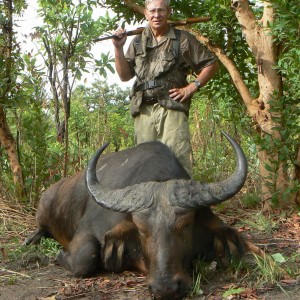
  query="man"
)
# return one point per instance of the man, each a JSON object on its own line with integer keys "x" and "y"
{"x": 161, "y": 58}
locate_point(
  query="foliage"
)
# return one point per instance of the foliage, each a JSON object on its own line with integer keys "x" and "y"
{"x": 70, "y": 28}
{"x": 32, "y": 119}
{"x": 232, "y": 292}
{"x": 285, "y": 107}
{"x": 226, "y": 32}
{"x": 32, "y": 256}
{"x": 24, "y": 121}
{"x": 123, "y": 13}
{"x": 12, "y": 93}
{"x": 201, "y": 270}
{"x": 250, "y": 200}
{"x": 47, "y": 247}
{"x": 100, "y": 113}
{"x": 11, "y": 62}
{"x": 261, "y": 223}
{"x": 66, "y": 37}
{"x": 212, "y": 153}
{"x": 268, "y": 271}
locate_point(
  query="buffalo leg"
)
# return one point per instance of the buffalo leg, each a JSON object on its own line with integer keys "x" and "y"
{"x": 122, "y": 249}
{"x": 83, "y": 256}
{"x": 35, "y": 237}
{"x": 227, "y": 243}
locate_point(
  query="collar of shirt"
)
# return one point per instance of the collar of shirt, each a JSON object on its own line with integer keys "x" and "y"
{"x": 150, "y": 40}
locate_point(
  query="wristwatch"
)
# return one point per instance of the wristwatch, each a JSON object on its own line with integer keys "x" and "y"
{"x": 197, "y": 84}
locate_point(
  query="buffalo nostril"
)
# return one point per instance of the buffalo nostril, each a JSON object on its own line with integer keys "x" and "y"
{"x": 167, "y": 290}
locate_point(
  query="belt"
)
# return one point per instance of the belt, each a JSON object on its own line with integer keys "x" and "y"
{"x": 149, "y": 84}
{"x": 150, "y": 100}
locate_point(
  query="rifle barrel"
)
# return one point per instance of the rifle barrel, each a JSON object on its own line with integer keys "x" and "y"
{"x": 129, "y": 33}
{"x": 172, "y": 23}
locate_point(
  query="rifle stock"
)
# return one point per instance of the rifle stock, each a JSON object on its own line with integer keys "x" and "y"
{"x": 172, "y": 23}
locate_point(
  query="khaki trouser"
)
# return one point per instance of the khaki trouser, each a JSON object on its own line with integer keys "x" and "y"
{"x": 155, "y": 123}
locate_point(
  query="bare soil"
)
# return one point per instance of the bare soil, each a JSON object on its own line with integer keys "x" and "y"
{"x": 36, "y": 276}
{"x": 52, "y": 282}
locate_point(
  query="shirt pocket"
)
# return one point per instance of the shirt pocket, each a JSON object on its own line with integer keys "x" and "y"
{"x": 142, "y": 66}
{"x": 162, "y": 64}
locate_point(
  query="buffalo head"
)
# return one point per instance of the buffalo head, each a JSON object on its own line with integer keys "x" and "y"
{"x": 174, "y": 222}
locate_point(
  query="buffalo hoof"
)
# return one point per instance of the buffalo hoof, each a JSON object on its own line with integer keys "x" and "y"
{"x": 119, "y": 246}
{"x": 228, "y": 245}
{"x": 35, "y": 237}
{"x": 113, "y": 255}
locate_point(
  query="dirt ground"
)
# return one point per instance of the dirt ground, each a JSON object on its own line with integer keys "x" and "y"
{"x": 52, "y": 282}
{"x": 36, "y": 277}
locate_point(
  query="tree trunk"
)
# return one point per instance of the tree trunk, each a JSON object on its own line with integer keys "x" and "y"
{"x": 53, "y": 79}
{"x": 8, "y": 142}
{"x": 6, "y": 138}
{"x": 66, "y": 99}
{"x": 296, "y": 197}
{"x": 258, "y": 36}
{"x": 260, "y": 40}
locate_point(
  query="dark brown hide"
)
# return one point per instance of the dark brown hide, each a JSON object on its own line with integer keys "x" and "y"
{"x": 151, "y": 218}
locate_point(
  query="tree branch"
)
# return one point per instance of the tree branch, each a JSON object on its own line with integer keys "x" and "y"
{"x": 229, "y": 65}
{"x": 134, "y": 7}
{"x": 247, "y": 20}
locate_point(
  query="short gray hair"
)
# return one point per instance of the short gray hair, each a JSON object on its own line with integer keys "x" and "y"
{"x": 147, "y": 2}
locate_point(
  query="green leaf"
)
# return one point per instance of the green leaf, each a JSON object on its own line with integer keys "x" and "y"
{"x": 233, "y": 292}
{"x": 278, "y": 257}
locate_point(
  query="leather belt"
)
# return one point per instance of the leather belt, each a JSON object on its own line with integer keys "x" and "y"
{"x": 149, "y": 84}
{"x": 150, "y": 100}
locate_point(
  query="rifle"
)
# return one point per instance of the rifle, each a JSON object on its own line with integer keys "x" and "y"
{"x": 172, "y": 23}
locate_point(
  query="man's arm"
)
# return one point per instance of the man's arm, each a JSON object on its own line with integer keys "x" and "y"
{"x": 182, "y": 94}
{"x": 121, "y": 63}
{"x": 207, "y": 73}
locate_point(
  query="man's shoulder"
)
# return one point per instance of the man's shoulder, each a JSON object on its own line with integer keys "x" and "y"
{"x": 185, "y": 35}
{"x": 136, "y": 39}
{"x": 188, "y": 40}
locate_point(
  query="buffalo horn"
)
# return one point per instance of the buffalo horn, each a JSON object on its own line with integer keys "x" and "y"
{"x": 129, "y": 199}
{"x": 194, "y": 194}
{"x": 182, "y": 193}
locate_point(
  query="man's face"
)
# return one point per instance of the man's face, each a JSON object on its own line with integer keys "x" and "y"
{"x": 157, "y": 14}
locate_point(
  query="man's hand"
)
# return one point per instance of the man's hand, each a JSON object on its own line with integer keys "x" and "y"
{"x": 122, "y": 66}
{"x": 120, "y": 39}
{"x": 184, "y": 93}
{"x": 188, "y": 91}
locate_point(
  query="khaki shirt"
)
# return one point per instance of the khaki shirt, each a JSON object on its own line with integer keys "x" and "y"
{"x": 151, "y": 60}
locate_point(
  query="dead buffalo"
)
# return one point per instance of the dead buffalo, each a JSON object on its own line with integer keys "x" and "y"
{"x": 148, "y": 216}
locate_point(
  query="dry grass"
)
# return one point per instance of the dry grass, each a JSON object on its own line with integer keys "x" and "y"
{"x": 15, "y": 220}
{"x": 20, "y": 263}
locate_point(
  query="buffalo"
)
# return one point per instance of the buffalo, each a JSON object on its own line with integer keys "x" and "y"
{"x": 138, "y": 209}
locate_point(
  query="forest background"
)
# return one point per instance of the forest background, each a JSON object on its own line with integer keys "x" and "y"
{"x": 52, "y": 120}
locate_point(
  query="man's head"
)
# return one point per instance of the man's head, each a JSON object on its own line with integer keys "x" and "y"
{"x": 157, "y": 13}
{"x": 167, "y": 2}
